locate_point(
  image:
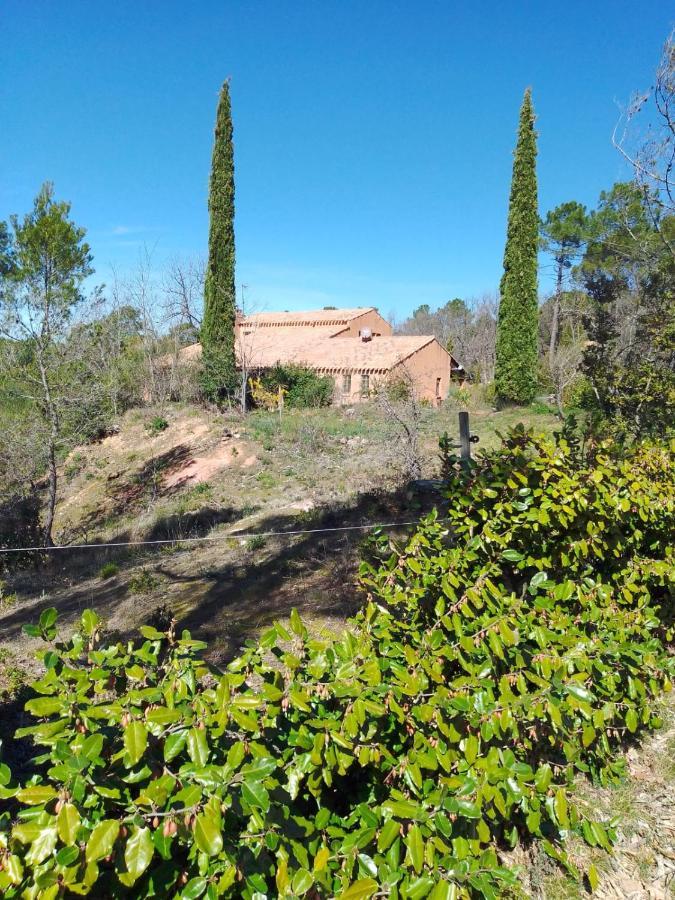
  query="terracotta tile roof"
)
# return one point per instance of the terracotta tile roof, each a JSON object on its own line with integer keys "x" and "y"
{"x": 312, "y": 318}
{"x": 263, "y": 349}
{"x": 307, "y": 332}
{"x": 323, "y": 354}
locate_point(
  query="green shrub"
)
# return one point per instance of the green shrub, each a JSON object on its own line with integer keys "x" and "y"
{"x": 7, "y": 598}
{"x": 266, "y": 479}
{"x": 398, "y": 390}
{"x": 143, "y": 582}
{"x": 303, "y": 386}
{"x": 579, "y": 394}
{"x": 156, "y": 425}
{"x": 540, "y": 408}
{"x": 460, "y": 395}
{"x": 13, "y": 678}
{"x": 501, "y": 649}
{"x": 257, "y": 542}
{"x": 74, "y": 465}
{"x": 108, "y": 570}
{"x": 489, "y": 393}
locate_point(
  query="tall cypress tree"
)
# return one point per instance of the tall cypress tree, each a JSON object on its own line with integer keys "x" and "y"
{"x": 218, "y": 360}
{"x": 516, "y": 365}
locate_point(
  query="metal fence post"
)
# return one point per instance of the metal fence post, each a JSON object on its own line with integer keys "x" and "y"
{"x": 464, "y": 437}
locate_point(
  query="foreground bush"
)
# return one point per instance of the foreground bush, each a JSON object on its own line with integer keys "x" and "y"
{"x": 497, "y": 654}
{"x": 302, "y": 387}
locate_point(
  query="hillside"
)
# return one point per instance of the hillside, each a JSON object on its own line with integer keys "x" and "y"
{"x": 182, "y": 472}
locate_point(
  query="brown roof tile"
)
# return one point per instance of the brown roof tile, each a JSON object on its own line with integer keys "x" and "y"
{"x": 262, "y": 349}
{"x": 307, "y": 318}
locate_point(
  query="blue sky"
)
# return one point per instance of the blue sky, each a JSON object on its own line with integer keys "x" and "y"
{"x": 373, "y": 139}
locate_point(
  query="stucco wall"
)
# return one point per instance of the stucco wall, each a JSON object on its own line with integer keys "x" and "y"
{"x": 429, "y": 368}
{"x": 354, "y": 392}
{"x": 372, "y": 320}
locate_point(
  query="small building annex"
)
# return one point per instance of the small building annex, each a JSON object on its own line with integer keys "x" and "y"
{"x": 356, "y": 347}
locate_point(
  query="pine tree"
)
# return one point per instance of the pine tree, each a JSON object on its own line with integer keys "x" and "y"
{"x": 516, "y": 365}
{"x": 219, "y": 375}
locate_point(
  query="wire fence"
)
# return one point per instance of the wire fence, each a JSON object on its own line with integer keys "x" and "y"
{"x": 239, "y": 535}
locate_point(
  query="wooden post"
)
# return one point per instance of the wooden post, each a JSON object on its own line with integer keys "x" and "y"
{"x": 464, "y": 437}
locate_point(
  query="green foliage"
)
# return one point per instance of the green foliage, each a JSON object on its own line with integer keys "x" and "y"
{"x": 156, "y": 425}
{"x": 12, "y": 676}
{"x": 498, "y": 653}
{"x": 579, "y": 394}
{"x": 257, "y": 542}
{"x": 623, "y": 240}
{"x": 108, "y": 570}
{"x": 516, "y": 360}
{"x": 39, "y": 293}
{"x": 564, "y": 232}
{"x": 219, "y": 376}
{"x": 398, "y": 389}
{"x": 143, "y": 582}
{"x": 19, "y": 527}
{"x": 49, "y": 258}
{"x": 304, "y": 388}
{"x": 7, "y": 598}
{"x": 633, "y": 388}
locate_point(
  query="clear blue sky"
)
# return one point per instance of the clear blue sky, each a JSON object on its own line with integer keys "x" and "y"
{"x": 373, "y": 138}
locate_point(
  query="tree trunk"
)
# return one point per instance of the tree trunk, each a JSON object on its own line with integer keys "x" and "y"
{"x": 559, "y": 400}
{"x": 51, "y": 501}
{"x": 53, "y": 417}
{"x": 244, "y": 379}
{"x": 555, "y": 320}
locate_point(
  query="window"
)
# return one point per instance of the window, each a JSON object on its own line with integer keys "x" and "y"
{"x": 365, "y": 385}
{"x": 346, "y": 384}
{"x": 438, "y": 387}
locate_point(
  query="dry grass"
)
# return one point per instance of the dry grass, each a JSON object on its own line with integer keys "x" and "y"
{"x": 265, "y": 472}
{"x": 642, "y": 865}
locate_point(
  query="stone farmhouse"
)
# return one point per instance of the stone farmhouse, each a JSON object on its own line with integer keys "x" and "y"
{"x": 356, "y": 347}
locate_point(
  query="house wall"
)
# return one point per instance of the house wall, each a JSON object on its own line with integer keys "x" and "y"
{"x": 429, "y": 368}
{"x": 346, "y": 394}
{"x": 372, "y": 320}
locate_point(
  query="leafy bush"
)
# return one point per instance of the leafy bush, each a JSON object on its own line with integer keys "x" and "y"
{"x": 579, "y": 394}
{"x": 257, "y": 542}
{"x": 302, "y": 386}
{"x": 7, "y": 598}
{"x": 156, "y": 425}
{"x": 266, "y": 479}
{"x": 501, "y": 649}
{"x": 143, "y": 582}
{"x": 489, "y": 393}
{"x": 460, "y": 396}
{"x": 538, "y": 407}
{"x": 13, "y": 676}
{"x": 108, "y": 570}
{"x": 398, "y": 389}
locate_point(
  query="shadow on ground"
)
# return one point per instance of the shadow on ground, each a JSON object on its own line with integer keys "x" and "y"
{"x": 224, "y": 590}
